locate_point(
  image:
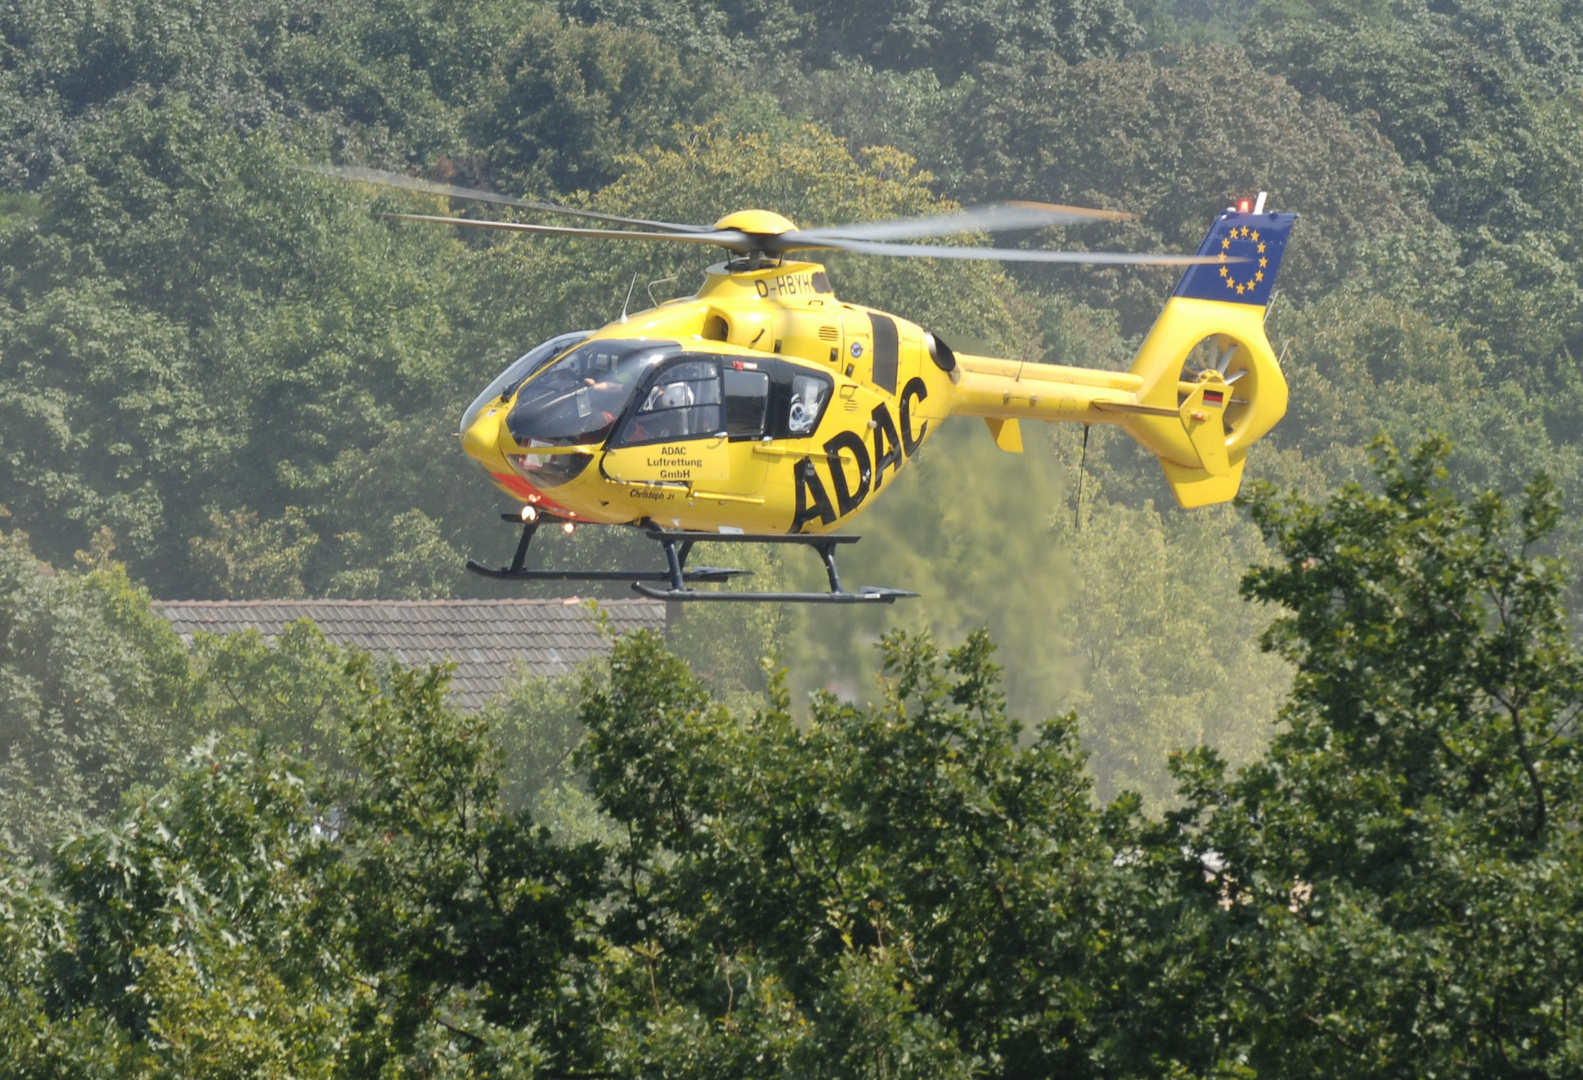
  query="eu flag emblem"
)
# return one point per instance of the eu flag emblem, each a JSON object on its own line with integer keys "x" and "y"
{"x": 1247, "y": 252}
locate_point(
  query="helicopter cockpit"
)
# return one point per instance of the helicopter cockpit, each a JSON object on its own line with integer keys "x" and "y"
{"x": 633, "y": 393}
{"x": 576, "y": 401}
{"x": 506, "y": 383}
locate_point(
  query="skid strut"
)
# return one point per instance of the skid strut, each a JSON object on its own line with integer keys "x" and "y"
{"x": 517, "y": 571}
{"x": 676, "y": 544}
{"x": 675, "y": 578}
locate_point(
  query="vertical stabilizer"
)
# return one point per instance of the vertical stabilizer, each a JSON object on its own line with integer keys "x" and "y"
{"x": 1210, "y": 384}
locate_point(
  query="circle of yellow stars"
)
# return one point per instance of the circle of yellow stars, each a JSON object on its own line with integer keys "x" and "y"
{"x": 1242, "y": 232}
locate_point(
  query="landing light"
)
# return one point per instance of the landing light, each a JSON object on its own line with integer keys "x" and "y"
{"x": 568, "y": 528}
{"x": 529, "y": 514}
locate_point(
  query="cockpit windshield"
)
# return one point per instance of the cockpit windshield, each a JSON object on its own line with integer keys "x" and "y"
{"x": 577, "y": 399}
{"x": 508, "y": 380}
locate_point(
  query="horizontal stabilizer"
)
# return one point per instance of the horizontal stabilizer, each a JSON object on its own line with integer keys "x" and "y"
{"x": 1006, "y": 433}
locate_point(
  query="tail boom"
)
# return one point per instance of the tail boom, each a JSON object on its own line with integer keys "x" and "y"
{"x": 1008, "y": 390}
{"x": 1204, "y": 386}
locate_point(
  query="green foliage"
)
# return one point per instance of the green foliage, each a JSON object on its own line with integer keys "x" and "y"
{"x": 99, "y": 695}
{"x": 65, "y": 62}
{"x": 461, "y": 913}
{"x": 571, "y": 102}
{"x": 1467, "y": 701}
{"x": 94, "y": 694}
{"x": 1174, "y": 137}
{"x": 1199, "y": 21}
{"x": 244, "y": 557}
{"x": 535, "y": 723}
{"x": 34, "y": 926}
{"x": 1395, "y": 878}
{"x": 187, "y": 948}
{"x": 1480, "y": 100}
{"x": 980, "y": 554}
{"x": 158, "y": 460}
{"x": 868, "y": 107}
{"x": 945, "y": 36}
{"x": 295, "y": 693}
{"x": 920, "y": 836}
{"x": 1361, "y": 367}
{"x": 1167, "y": 657}
{"x": 916, "y": 888}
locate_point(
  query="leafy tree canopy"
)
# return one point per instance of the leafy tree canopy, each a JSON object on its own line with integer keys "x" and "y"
{"x": 918, "y": 886}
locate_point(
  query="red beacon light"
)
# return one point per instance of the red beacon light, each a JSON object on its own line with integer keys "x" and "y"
{"x": 1246, "y": 205}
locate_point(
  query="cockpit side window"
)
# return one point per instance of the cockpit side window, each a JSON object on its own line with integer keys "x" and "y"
{"x": 809, "y": 393}
{"x": 683, "y": 401}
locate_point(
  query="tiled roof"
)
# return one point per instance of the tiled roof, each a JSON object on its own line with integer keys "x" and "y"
{"x": 482, "y": 637}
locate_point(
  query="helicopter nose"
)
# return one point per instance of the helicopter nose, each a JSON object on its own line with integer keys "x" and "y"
{"x": 481, "y": 439}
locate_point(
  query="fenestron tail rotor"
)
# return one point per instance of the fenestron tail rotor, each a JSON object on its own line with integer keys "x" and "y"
{"x": 1219, "y": 359}
{"x": 773, "y": 236}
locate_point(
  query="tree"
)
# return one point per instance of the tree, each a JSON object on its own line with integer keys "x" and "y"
{"x": 1393, "y": 886}
{"x": 468, "y": 919}
{"x": 1476, "y": 98}
{"x": 572, "y": 103}
{"x": 923, "y": 835}
{"x": 1174, "y": 136}
{"x": 95, "y": 693}
{"x": 944, "y": 36}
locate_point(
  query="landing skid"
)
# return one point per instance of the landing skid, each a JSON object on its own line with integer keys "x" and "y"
{"x": 518, "y": 572}
{"x": 677, "y": 576}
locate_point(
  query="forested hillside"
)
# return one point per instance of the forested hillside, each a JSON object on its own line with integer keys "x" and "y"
{"x": 224, "y": 376}
{"x": 228, "y": 375}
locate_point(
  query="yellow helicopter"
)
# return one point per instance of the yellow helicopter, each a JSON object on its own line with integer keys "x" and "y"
{"x": 763, "y": 409}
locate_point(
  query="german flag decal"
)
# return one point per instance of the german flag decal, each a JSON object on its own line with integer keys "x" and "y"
{"x": 1215, "y": 398}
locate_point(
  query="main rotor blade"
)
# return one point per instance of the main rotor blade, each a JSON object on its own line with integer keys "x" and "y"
{"x": 726, "y": 238}
{"x": 991, "y": 217}
{"x": 940, "y": 251}
{"x": 413, "y": 183}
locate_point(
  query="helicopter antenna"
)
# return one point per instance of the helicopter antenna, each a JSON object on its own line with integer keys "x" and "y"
{"x": 660, "y": 281}
{"x": 630, "y": 286}
{"x": 1082, "y": 463}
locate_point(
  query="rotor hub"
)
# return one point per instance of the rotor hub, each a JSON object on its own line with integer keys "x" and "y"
{"x": 756, "y": 223}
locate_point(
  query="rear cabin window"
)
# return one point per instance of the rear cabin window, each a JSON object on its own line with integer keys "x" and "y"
{"x": 810, "y": 393}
